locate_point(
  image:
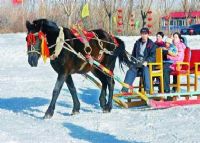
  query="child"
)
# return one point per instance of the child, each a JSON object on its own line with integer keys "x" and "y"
{"x": 169, "y": 49}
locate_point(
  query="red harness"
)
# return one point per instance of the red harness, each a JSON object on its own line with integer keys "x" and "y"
{"x": 87, "y": 34}
{"x": 30, "y": 39}
{"x": 114, "y": 40}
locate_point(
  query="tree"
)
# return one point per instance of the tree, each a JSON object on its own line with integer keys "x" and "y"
{"x": 69, "y": 9}
{"x": 145, "y": 6}
{"x": 129, "y": 13}
{"x": 110, "y": 8}
{"x": 186, "y": 5}
{"x": 164, "y": 8}
{"x": 195, "y": 4}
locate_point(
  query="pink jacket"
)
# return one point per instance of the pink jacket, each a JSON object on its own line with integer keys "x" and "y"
{"x": 180, "y": 57}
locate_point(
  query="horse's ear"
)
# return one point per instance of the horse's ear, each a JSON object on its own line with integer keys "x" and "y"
{"x": 39, "y": 24}
{"x": 28, "y": 24}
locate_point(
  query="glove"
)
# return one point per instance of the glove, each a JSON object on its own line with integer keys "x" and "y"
{"x": 139, "y": 62}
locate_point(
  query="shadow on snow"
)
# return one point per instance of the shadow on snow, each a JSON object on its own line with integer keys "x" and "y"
{"x": 92, "y": 136}
{"x": 22, "y": 104}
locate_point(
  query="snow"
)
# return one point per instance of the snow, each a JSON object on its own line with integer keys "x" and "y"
{"x": 25, "y": 94}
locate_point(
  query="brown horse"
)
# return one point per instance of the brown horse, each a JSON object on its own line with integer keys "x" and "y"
{"x": 68, "y": 63}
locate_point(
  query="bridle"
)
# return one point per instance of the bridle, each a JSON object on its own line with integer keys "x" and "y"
{"x": 33, "y": 42}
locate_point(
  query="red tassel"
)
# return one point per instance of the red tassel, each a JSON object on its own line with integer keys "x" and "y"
{"x": 46, "y": 49}
{"x": 42, "y": 36}
{"x": 31, "y": 39}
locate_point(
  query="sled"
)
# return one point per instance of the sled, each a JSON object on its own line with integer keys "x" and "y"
{"x": 157, "y": 101}
{"x": 138, "y": 101}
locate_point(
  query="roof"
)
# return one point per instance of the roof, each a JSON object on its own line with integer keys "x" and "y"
{"x": 182, "y": 14}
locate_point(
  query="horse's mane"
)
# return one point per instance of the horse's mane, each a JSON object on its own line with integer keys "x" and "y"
{"x": 46, "y": 23}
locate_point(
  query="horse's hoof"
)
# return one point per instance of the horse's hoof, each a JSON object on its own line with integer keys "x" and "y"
{"x": 47, "y": 116}
{"x": 106, "y": 111}
{"x": 74, "y": 113}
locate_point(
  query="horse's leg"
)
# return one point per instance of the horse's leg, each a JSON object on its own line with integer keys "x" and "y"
{"x": 102, "y": 97}
{"x": 111, "y": 84}
{"x": 72, "y": 89}
{"x": 56, "y": 91}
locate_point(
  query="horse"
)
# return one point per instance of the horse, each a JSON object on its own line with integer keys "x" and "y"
{"x": 68, "y": 63}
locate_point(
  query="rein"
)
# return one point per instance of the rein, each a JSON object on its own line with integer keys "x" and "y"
{"x": 44, "y": 52}
{"x": 84, "y": 37}
{"x": 31, "y": 41}
{"x": 71, "y": 39}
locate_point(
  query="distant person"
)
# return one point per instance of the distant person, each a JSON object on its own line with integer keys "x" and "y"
{"x": 159, "y": 39}
{"x": 169, "y": 49}
{"x": 144, "y": 51}
{"x": 160, "y": 44}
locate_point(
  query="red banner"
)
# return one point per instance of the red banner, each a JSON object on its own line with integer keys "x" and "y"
{"x": 119, "y": 20}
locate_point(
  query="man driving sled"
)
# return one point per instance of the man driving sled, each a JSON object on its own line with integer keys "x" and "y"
{"x": 144, "y": 51}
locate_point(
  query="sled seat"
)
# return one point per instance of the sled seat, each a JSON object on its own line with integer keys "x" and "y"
{"x": 156, "y": 71}
{"x": 195, "y": 66}
{"x": 182, "y": 69}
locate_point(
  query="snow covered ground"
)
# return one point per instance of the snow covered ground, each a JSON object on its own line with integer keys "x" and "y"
{"x": 25, "y": 94}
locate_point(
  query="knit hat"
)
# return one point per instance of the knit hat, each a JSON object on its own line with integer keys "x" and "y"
{"x": 144, "y": 30}
{"x": 168, "y": 40}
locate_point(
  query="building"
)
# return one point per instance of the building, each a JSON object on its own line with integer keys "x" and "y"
{"x": 177, "y": 20}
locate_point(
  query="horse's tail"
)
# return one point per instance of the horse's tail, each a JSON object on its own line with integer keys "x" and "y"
{"x": 121, "y": 53}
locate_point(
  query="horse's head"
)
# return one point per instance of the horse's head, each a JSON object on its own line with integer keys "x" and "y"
{"x": 36, "y": 39}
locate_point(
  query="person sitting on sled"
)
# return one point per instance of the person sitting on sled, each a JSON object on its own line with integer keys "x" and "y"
{"x": 144, "y": 51}
{"x": 160, "y": 44}
{"x": 169, "y": 49}
{"x": 171, "y": 66}
{"x": 159, "y": 39}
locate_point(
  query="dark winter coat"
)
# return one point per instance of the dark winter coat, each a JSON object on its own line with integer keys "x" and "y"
{"x": 149, "y": 52}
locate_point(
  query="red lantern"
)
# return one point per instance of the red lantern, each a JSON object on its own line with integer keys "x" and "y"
{"x": 119, "y": 10}
{"x": 131, "y": 22}
{"x": 167, "y": 18}
{"x": 149, "y": 25}
{"x": 149, "y": 19}
{"x": 17, "y": 1}
{"x": 119, "y": 17}
{"x": 119, "y": 30}
{"x": 119, "y": 23}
